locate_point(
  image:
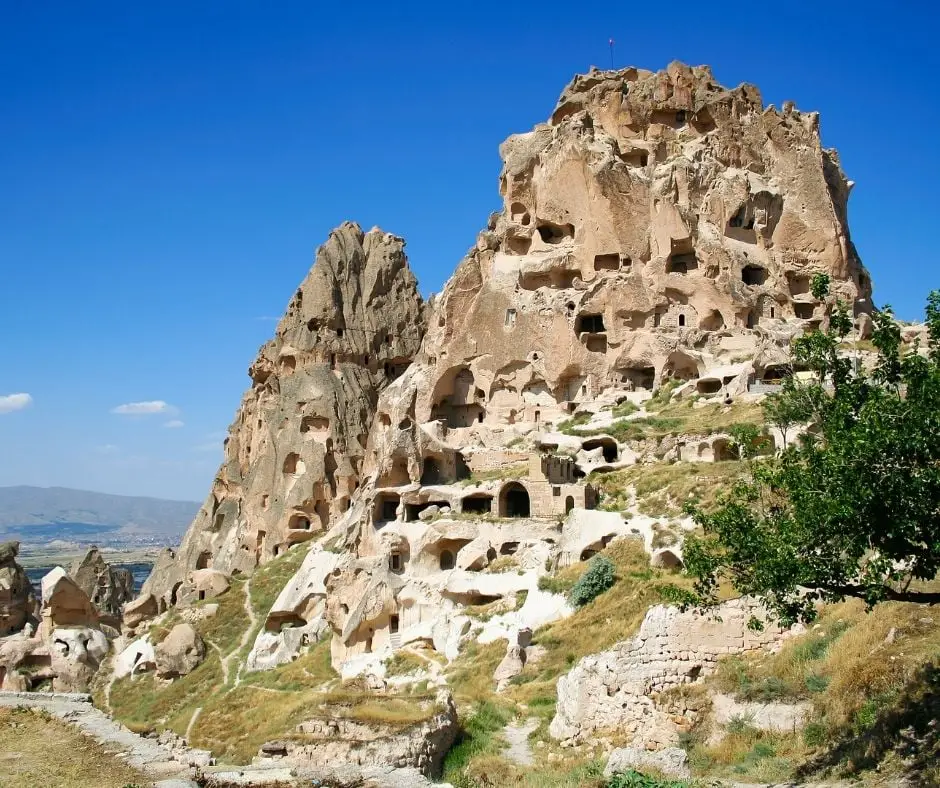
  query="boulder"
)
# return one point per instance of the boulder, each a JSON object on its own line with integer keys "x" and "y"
{"x": 64, "y": 603}
{"x": 139, "y": 610}
{"x": 180, "y": 653}
{"x": 109, "y": 588}
{"x": 671, "y": 761}
{"x": 17, "y": 602}
{"x": 76, "y": 654}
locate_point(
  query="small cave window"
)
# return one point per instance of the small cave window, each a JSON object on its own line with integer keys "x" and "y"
{"x": 291, "y": 462}
{"x": 393, "y": 624}
{"x": 204, "y": 560}
{"x": 339, "y": 333}
{"x": 681, "y": 263}
{"x": 477, "y": 504}
{"x": 753, "y": 275}
{"x": 804, "y": 311}
{"x": 681, "y": 320}
{"x": 555, "y": 233}
{"x": 510, "y": 318}
{"x": 394, "y": 561}
{"x": 333, "y": 360}
{"x": 607, "y": 262}
{"x": 299, "y": 522}
{"x": 680, "y": 117}
{"x": 590, "y": 324}
{"x": 447, "y": 560}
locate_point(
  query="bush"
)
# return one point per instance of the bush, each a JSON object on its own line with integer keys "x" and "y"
{"x": 635, "y": 779}
{"x": 598, "y": 577}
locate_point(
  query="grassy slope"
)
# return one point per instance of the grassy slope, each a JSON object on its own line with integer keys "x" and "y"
{"x": 613, "y": 616}
{"x": 874, "y": 683}
{"x": 38, "y": 750}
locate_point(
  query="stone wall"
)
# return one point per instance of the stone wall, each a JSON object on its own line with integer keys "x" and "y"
{"x": 617, "y": 688}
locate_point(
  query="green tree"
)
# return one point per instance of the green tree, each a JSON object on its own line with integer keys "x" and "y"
{"x": 852, "y": 509}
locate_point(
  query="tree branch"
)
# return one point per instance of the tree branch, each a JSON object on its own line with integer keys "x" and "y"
{"x": 859, "y": 592}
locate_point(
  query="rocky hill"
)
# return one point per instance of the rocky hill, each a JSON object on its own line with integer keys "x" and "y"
{"x": 398, "y": 551}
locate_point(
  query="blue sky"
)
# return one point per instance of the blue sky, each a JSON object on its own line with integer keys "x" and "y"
{"x": 169, "y": 168}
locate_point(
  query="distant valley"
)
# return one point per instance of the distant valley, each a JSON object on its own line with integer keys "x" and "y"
{"x": 58, "y": 517}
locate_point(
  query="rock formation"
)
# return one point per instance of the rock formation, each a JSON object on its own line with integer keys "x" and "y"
{"x": 109, "y": 588}
{"x": 658, "y": 227}
{"x": 618, "y": 688}
{"x": 331, "y": 738}
{"x": 178, "y": 653}
{"x": 659, "y": 230}
{"x": 16, "y": 593}
{"x": 294, "y": 455}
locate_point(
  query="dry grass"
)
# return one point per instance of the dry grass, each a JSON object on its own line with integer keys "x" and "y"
{"x": 147, "y": 703}
{"x": 309, "y": 671}
{"x": 38, "y": 750}
{"x": 711, "y": 418}
{"x": 874, "y": 683}
{"x": 401, "y": 663}
{"x": 515, "y": 470}
{"x": 661, "y": 490}
{"x": 236, "y": 724}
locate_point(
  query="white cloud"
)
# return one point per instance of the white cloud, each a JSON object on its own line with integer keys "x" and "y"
{"x": 174, "y": 424}
{"x": 108, "y": 448}
{"x": 12, "y": 402}
{"x": 144, "y": 408}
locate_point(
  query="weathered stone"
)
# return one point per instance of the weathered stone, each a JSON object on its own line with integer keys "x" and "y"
{"x": 293, "y": 455}
{"x": 180, "y": 652}
{"x": 328, "y": 741}
{"x": 76, "y": 654}
{"x": 109, "y": 588}
{"x": 139, "y": 610}
{"x": 671, "y": 761}
{"x": 64, "y": 603}
{"x": 617, "y": 688}
{"x": 17, "y": 603}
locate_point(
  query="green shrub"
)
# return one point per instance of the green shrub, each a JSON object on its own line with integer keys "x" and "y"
{"x": 597, "y": 578}
{"x": 815, "y": 734}
{"x": 635, "y": 779}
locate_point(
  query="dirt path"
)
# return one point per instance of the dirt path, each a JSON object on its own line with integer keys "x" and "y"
{"x": 147, "y": 755}
{"x": 517, "y": 736}
{"x": 246, "y": 635}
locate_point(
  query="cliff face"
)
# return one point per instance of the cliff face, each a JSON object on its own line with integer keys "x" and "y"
{"x": 294, "y": 453}
{"x": 659, "y": 227}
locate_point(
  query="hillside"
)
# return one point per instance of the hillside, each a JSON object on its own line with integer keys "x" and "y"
{"x": 43, "y": 514}
{"x": 451, "y": 535}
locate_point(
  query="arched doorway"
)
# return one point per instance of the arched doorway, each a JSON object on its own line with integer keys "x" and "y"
{"x": 514, "y": 501}
{"x": 569, "y": 504}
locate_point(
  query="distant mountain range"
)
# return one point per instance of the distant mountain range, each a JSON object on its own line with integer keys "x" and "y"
{"x": 38, "y": 515}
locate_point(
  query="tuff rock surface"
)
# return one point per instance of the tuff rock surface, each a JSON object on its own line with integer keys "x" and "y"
{"x": 108, "y": 587}
{"x": 17, "y": 601}
{"x": 294, "y": 454}
{"x": 658, "y": 229}
{"x": 619, "y": 688}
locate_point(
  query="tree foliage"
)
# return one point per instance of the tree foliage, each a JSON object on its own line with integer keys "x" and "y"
{"x": 851, "y": 509}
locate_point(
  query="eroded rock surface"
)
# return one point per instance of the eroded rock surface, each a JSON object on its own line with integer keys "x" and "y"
{"x": 17, "y": 602}
{"x": 108, "y": 587}
{"x": 618, "y": 688}
{"x": 294, "y": 454}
